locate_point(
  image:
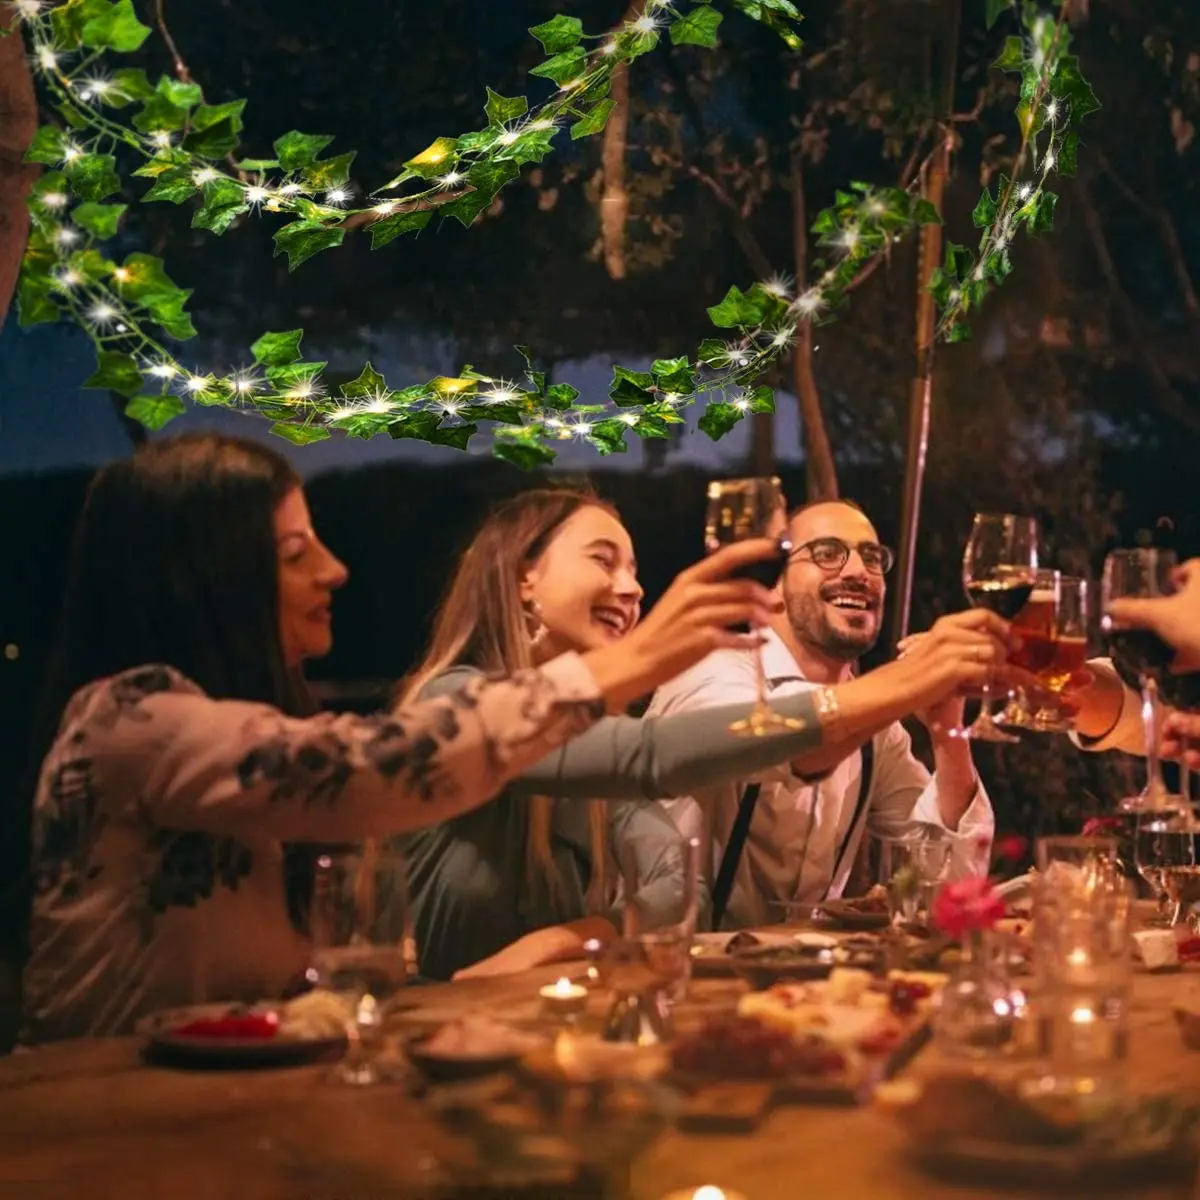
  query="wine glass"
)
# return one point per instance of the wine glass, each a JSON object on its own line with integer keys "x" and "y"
{"x": 1141, "y": 655}
{"x": 751, "y": 508}
{"x": 359, "y": 931}
{"x": 999, "y": 572}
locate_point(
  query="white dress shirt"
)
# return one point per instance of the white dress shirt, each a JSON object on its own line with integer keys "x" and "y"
{"x": 801, "y": 845}
{"x": 1128, "y": 733}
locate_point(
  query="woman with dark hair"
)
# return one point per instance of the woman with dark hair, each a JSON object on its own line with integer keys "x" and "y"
{"x": 184, "y": 753}
{"x": 528, "y": 879}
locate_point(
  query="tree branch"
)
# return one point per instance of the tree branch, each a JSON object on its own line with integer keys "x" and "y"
{"x": 614, "y": 200}
{"x": 18, "y": 122}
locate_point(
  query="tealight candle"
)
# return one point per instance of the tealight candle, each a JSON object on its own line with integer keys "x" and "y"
{"x": 707, "y": 1192}
{"x": 563, "y": 998}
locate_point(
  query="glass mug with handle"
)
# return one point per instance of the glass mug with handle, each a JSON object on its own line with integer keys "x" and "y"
{"x": 739, "y": 509}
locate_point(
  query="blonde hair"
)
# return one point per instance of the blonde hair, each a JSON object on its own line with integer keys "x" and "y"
{"x": 481, "y": 623}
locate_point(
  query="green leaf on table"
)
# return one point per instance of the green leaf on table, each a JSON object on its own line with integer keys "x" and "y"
{"x": 528, "y": 456}
{"x": 564, "y": 67}
{"x": 595, "y": 121}
{"x": 698, "y": 27}
{"x": 392, "y": 227}
{"x": 93, "y": 176}
{"x": 117, "y": 28}
{"x": 174, "y": 185}
{"x": 719, "y": 418}
{"x": 673, "y": 375}
{"x": 277, "y": 349}
{"x": 216, "y": 141}
{"x": 995, "y": 9}
{"x": 985, "y": 210}
{"x": 501, "y": 109}
{"x": 561, "y": 396}
{"x": 35, "y": 306}
{"x": 735, "y": 310}
{"x": 116, "y": 372}
{"x": 155, "y": 411}
{"x": 300, "y": 435}
{"x": 559, "y": 33}
{"x": 368, "y": 382}
{"x": 631, "y": 387}
{"x": 47, "y": 146}
{"x": 761, "y": 400}
{"x": 1067, "y": 155}
{"x": 1012, "y": 57}
{"x": 302, "y": 239}
{"x": 296, "y": 150}
{"x": 101, "y": 220}
{"x": 329, "y": 172}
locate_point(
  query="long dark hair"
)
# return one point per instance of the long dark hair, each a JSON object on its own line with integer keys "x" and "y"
{"x": 173, "y": 561}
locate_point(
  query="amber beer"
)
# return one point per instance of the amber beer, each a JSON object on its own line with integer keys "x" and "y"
{"x": 1036, "y": 625}
{"x": 1070, "y": 653}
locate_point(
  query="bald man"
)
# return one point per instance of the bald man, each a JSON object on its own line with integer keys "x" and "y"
{"x": 805, "y": 832}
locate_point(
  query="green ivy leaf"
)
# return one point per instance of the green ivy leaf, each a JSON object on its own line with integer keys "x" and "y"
{"x": 1012, "y": 57}
{"x": 1066, "y": 159}
{"x": 159, "y": 115}
{"x": 208, "y": 115}
{"x": 501, "y": 109}
{"x": 940, "y": 286}
{"x": 455, "y": 436}
{"x": 631, "y": 387}
{"x": 528, "y": 456}
{"x": 719, "y": 418}
{"x": 174, "y": 185}
{"x": 302, "y": 239}
{"x": 68, "y": 20}
{"x": 330, "y": 172}
{"x": 609, "y": 436}
{"x": 559, "y": 33}
{"x": 1069, "y": 85}
{"x": 436, "y": 159}
{"x": 368, "y": 382}
{"x": 713, "y": 352}
{"x": 116, "y": 372}
{"x": 47, "y": 146}
{"x": 34, "y": 303}
{"x": 673, "y": 375}
{"x": 958, "y": 260}
{"x": 300, "y": 435}
{"x": 100, "y": 220}
{"x": 564, "y": 67}
{"x": 179, "y": 93}
{"x": 214, "y": 142}
{"x": 418, "y": 425}
{"x": 128, "y": 84}
{"x": 486, "y": 178}
{"x": 531, "y": 147}
{"x": 115, "y": 29}
{"x": 93, "y": 176}
{"x": 296, "y": 150}
{"x": 735, "y": 310}
{"x": 258, "y": 165}
{"x": 277, "y": 349}
{"x": 285, "y": 378}
{"x": 1041, "y": 218}
{"x": 561, "y": 396}
{"x": 959, "y": 330}
{"x": 155, "y": 411}
{"x": 506, "y": 414}
{"x": 217, "y": 218}
{"x": 392, "y": 227}
{"x": 595, "y": 121}
{"x": 995, "y": 9}
{"x": 696, "y": 28}
{"x": 924, "y": 213}
{"x": 985, "y": 210}
{"x": 762, "y": 400}
{"x": 652, "y": 425}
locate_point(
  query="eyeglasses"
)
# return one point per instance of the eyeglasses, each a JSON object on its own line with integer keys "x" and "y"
{"x": 832, "y": 554}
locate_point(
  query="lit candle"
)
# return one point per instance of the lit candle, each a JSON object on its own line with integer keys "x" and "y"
{"x": 563, "y": 998}
{"x": 707, "y": 1192}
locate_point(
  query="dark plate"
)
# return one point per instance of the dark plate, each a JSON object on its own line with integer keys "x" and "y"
{"x": 763, "y": 966}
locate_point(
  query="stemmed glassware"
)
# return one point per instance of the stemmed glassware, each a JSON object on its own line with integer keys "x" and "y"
{"x": 1141, "y": 655}
{"x": 999, "y": 572}
{"x": 739, "y": 509}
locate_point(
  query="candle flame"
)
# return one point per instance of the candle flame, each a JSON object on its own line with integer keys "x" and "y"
{"x": 708, "y": 1192}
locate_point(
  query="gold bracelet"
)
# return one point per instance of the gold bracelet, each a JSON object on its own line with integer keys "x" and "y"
{"x": 829, "y": 714}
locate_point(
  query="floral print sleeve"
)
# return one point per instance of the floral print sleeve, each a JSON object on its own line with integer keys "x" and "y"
{"x": 221, "y": 766}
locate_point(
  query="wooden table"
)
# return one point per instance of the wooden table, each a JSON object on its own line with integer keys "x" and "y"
{"x": 89, "y": 1119}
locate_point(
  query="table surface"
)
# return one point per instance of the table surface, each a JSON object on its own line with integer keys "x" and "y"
{"x": 90, "y": 1118}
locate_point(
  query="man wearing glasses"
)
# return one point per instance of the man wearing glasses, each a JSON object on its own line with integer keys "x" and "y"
{"x": 783, "y": 837}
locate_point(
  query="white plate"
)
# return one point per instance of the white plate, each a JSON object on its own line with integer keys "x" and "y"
{"x": 163, "y": 1042}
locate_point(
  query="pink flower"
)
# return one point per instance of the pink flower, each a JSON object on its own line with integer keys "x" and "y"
{"x": 966, "y": 905}
{"x": 1010, "y": 848}
{"x": 1102, "y": 826}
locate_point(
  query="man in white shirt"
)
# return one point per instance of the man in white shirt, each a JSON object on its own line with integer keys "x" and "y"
{"x": 805, "y": 833}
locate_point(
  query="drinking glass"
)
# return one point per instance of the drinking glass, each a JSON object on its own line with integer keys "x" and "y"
{"x": 999, "y": 572}
{"x": 1165, "y": 855}
{"x": 359, "y": 929}
{"x": 1141, "y": 655}
{"x": 1054, "y": 639}
{"x": 911, "y": 869}
{"x": 750, "y": 508}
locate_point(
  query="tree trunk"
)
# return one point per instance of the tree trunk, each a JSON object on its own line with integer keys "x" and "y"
{"x": 819, "y": 470}
{"x": 614, "y": 199}
{"x": 18, "y": 121}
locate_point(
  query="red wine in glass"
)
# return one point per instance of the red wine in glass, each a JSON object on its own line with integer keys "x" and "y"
{"x": 1003, "y": 596}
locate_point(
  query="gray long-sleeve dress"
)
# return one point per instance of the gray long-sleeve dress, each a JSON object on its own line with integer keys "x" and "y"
{"x": 467, "y": 877}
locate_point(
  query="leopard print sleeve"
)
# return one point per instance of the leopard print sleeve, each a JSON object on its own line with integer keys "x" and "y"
{"x": 223, "y": 766}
